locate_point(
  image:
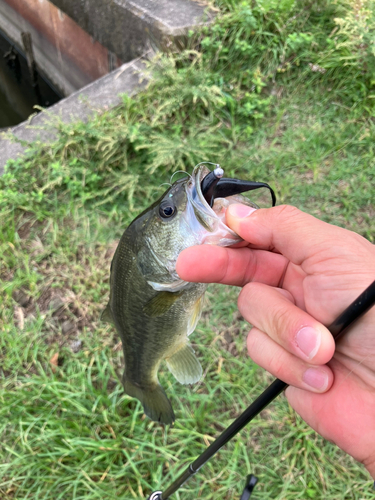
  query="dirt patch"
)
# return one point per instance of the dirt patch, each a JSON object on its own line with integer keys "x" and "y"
{"x": 65, "y": 290}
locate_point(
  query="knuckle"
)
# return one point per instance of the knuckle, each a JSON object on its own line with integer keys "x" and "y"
{"x": 278, "y": 367}
{"x": 257, "y": 346}
{"x": 243, "y": 297}
{"x": 280, "y": 320}
{"x": 223, "y": 265}
{"x": 288, "y": 217}
{"x": 287, "y": 211}
{"x": 252, "y": 343}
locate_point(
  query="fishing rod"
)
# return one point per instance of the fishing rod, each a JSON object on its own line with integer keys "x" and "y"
{"x": 351, "y": 314}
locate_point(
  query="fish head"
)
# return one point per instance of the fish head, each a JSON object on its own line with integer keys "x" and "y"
{"x": 181, "y": 218}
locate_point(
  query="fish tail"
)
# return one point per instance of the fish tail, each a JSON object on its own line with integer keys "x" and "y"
{"x": 155, "y": 403}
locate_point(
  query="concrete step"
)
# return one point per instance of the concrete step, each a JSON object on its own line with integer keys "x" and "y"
{"x": 127, "y": 27}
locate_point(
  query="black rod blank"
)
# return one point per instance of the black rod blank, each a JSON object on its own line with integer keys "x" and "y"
{"x": 356, "y": 309}
{"x": 252, "y": 411}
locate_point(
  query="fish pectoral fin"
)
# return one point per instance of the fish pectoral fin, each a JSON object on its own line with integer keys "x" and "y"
{"x": 106, "y": 315}
{"x": 160, "y": 303}
{"x": 155, "y": 403}
{"x": 184, "y": 365}
{"x": 195, "y": 315}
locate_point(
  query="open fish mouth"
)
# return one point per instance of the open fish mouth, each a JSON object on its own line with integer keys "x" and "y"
{"x": 209, "y": 195}
{"x": 211, "y": 185}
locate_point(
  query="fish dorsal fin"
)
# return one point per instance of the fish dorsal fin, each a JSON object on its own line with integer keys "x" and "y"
{"x": 160, "y": 303}
{"x": 106, "y": 315}
{"x": 184, "y": 365}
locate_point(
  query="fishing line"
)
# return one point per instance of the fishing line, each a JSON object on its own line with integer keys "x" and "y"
{"x": 180, "y": 172}
{"x": 351, "y": 314}
{"x": 206, "y": 163}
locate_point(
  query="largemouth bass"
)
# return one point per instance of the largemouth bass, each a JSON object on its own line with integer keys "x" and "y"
{"x": 152, "y": 309}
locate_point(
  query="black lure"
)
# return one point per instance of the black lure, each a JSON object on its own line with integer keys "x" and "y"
{"x": 214, "y": 185}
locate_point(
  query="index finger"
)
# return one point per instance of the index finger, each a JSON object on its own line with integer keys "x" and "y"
{"x": 231, "y": 266}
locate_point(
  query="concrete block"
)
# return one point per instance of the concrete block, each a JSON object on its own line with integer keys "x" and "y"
{"x": 127, "y": 28}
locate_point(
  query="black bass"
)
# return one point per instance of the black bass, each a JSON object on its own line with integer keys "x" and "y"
{"x": 153, "y": 310}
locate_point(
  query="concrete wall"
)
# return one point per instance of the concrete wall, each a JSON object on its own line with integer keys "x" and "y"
{"x": 127, "y": 27}
{"x": 64, "y": 52}
{"x": 78, "y": 41}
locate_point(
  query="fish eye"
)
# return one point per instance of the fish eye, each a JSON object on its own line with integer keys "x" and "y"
{"x": 167, "y": 209}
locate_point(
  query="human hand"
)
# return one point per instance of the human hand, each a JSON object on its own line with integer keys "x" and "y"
{"x": 298, "y": 274}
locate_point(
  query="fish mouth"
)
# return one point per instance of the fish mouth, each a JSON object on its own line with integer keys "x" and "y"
{"x": 206, "y": 221}
{"x": 212, "y": 185}
{"x": 209, "y": 195}
{"x": 202, "y": 217}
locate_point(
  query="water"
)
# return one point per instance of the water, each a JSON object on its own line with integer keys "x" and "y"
{"x": 17, "y": 94}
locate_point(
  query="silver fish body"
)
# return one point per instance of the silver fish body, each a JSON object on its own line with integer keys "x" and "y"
{"x": 153, "y": 310}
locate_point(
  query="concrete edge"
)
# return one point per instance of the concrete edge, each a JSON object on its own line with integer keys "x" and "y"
{"x": 98, "y": 96}
{"x": 165, "y": 29}
{"x": 126, "y": 26}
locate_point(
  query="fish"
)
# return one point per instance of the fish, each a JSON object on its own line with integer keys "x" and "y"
{"x": 153, "y": 310}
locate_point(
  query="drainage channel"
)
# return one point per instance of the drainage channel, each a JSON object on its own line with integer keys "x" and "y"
{"x": 18, "y": 92}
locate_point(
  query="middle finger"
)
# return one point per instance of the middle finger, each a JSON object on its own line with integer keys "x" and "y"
{"x": 272, "y": 311}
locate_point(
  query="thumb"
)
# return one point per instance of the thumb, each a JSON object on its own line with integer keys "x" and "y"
{"x": 283, "y": 229}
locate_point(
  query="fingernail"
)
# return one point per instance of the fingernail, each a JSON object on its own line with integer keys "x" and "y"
{"x": 308, "y": 340}
{"x": 316, "y": 378}
{"x": 240, "y": 211}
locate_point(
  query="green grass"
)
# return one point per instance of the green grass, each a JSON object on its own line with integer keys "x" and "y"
{"x": 243, "y": 95}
